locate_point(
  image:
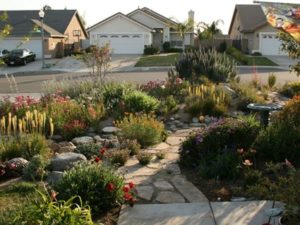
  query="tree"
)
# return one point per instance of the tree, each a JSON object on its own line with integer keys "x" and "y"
{"x": 292, "y": 47}
{"x": 47, "y": 7}
{"x": 183, "y": 28}
{"x": 209, "y": 31}
{"x": 5, "y": 29}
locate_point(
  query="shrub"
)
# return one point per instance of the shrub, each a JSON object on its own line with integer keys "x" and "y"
{"x": 25, "y": 146}
{"x": 271, "y": 80}
{"x": 137, "y": 101}
{"x": 222, "y": 47}
{"x": 142, "y": 127}
{"x": 166, "y": 46}
{"x": 213, "y": 150}
{"x": 245, "y": 96}
{"x": 119, "y": 157}
{"x": 238, "y": 55}
{"x": 132, "y": 145}
{"x": 97, "y": 185}
{"x": 206, "y": 100}
{"x": 89, "y": 150}
{"x": 150, "y": 50}
{"x": 256, "y": 54}
{"x": 168, "y": 106}
{"x": 290, "y": 89}
{"x": 175, "y": 50}
{"x": 216, "y": 66}
{"x": 46, "y": 209}
{"x": 144, "y": 158}
{"x": 36, "y": 169}
{"x": 281, "y": 139}
{"x": 113, "y": 96}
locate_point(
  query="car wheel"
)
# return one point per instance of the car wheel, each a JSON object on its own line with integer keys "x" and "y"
{"x": 24, "y": 62}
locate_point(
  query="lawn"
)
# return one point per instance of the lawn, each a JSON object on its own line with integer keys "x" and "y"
{"x": 260, "y": 61}
{"x": 158, "y": 60}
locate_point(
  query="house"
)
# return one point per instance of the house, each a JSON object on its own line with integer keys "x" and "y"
{"x": 128, "y": 34}
{"x": 63, "y": 29}
{"x": 249, "y": 22}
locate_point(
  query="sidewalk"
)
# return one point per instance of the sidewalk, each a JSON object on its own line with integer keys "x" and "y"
{"x": 166, "y": 197}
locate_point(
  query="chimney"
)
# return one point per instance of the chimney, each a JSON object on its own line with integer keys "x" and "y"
{"x": 191, "y": 15}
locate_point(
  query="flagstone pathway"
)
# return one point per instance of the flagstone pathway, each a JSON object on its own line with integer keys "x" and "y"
{"x": 165, "y": 197}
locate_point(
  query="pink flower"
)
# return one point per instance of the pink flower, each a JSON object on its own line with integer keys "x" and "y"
{"x": 2, "y": 172}
{"x": 247, "y": 162}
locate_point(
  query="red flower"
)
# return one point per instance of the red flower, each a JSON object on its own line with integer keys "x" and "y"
{"x": 131, "y": 184}
{"x": 132, "y": 201}
{"x": 126, "y": 189}
{"x": 240, "y": 151}
{"x": 97, "y": 159}
{"x": 110, "y": 187}
{"x": 102, "y": 151}
{"x": 128, "y": 197}
{"x": 2, "y": 172}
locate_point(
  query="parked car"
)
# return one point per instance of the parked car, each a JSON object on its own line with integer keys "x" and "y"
{"x": 3, "y": 53}
{"x": 19, "y": 56}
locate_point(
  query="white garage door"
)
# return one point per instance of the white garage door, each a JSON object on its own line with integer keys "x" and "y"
{"x": 269, "y": 44}
{"x": 33, "y": 45}
{"x": 123, "y": 43}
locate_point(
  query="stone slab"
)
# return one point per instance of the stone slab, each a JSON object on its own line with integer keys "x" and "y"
{"x": 242, "y": 213}
{"x": 160, "y": 146}
{"x": 188, "y": 190}
{"x": 145, "y": 192}
{"x": 169, "y": 197}
{"x": 171, "y": 140}
{"x": 167, "y": 214}
{"x": 163, "y": 185}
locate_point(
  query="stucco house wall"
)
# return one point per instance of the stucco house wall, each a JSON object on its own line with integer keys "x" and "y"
{"x": 74, "y": 26}
{"x": 147, "y": 20}
{"x": 263, "y": 29}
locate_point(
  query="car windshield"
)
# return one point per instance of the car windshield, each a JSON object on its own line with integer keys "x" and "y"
{"x": 17, "y": 52}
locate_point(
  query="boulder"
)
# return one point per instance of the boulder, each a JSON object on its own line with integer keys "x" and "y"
{"x": 66, "y": 146}
{"x": 110, "y": 130}
{"x": 64, "y": 161}
{"x": 83, "y": 140}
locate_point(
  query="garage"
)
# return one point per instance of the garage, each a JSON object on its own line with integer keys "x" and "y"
{"x": 33, "y": 45}
{"x": 123, "y": 43}
{"x": 123, "y": 34}
{"x": 269, "y": 44}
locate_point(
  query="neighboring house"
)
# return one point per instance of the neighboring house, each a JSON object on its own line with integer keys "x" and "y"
{"x": 128, "y": 34}
{"x": 249, "y": 22}
{"x": 63, "y": 29}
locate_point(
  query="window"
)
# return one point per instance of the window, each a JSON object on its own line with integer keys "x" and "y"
{"x": 176, "y": 43}
{"x": 114, "y": 36}
{"x": 136, "y": 36}
{"x": 125, "y": 36}
{"x": 76, "y": 33}
{"x": 103, "y": 36}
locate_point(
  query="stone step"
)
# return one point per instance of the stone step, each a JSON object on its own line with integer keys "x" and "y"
{"x": 225, "y": 213}
{"x": 167, "y": 214}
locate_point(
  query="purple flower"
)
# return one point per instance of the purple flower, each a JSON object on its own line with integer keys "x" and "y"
{"x": 198, "y": 139}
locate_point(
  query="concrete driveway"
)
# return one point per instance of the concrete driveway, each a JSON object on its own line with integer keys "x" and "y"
{"x": 281, "y": 60}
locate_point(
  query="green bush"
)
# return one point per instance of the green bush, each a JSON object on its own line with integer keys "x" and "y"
{"x": 138, "y": 101}
{"x": 44, "y": 210}
{"x": 97, "y": 185}
{"x": 281, "y": 139}
{"x": 144, "y": 158}
{"x": 142, "y": 127}
{"x": 213, "y": 150}
{"x": 290, "y": 89}
{"x": 25, "y": 146}
{"x": 166, "y": 46}
{"x": 119, "y": 157}
{"x": 113, "y": 96}
{"x": 216, "y": 66}
{"x": 150, "y": 50}
{"x": 168, "y": 106}
{"x": 89, "y": 150}
{"x": 238, "y": 55}
{"x": 132, "y": 145}
{"x": 36, "y": 169}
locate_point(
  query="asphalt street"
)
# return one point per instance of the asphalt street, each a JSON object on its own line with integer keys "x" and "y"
{"x": 32, "y": 82}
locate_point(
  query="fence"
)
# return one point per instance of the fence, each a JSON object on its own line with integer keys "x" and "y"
{"x": 240, "y": 44}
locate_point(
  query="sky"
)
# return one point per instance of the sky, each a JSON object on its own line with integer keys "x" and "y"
{"x": 94, "y": 11}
